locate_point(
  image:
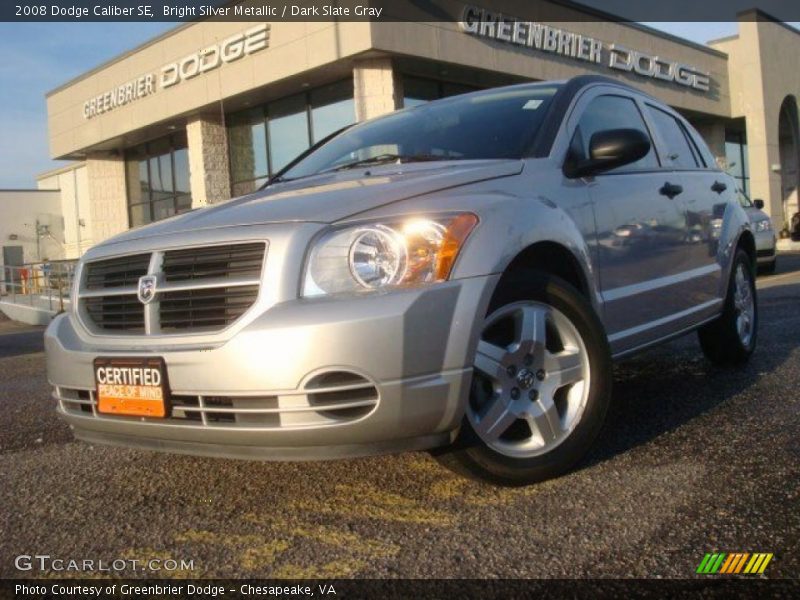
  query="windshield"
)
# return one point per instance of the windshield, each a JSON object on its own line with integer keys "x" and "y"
{"x": 484, "y": 125}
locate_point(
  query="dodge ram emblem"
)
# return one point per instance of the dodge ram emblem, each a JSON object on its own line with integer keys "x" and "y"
{"x": 147, "y": 289}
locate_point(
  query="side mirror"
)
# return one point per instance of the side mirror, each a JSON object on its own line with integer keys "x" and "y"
{"x": 758, "y": 203}
{"x": 610, "y": 149}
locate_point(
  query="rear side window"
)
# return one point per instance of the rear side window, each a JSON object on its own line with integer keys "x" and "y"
{"x": 707, "y": 159}
{"x": 680, "y": 150}
{"x": 611, "y": 112}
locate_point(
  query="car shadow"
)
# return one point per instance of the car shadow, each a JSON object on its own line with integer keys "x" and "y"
{"x": 669, "y": 386}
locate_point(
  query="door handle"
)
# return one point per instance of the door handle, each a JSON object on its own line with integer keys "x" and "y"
{"x": 670, "y": 190}
{"x": 719, "y": 187}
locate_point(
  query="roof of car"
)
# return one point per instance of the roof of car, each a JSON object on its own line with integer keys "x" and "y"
{"x": 577, "y": 82}
{"x": 558, "y": 108}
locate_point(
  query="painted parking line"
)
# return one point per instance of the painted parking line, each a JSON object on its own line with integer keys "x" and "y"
{"x": 765, "y": 283}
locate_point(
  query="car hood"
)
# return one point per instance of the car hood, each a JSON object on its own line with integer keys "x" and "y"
{"x": 755, "y": 214}
{"x": 330, "y": 197}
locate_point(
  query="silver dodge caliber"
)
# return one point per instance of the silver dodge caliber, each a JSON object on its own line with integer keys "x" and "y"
{"x": 456, "y": 277}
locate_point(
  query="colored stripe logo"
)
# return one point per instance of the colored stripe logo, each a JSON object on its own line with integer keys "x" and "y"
{"x": 734, "y": 563}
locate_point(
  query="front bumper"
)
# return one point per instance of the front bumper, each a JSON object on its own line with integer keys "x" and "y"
{"x": 307, "y": 379}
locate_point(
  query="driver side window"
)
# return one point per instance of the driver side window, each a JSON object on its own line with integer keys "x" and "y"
{"x": 611, "y": 112}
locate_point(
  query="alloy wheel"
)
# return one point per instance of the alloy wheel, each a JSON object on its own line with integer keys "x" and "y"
{"x": 744, "y": 304}
{"x": 531, "y": 380}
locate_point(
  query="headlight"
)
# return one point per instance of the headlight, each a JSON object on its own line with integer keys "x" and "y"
{"x": 378, "y": 257}
{"x": 765, "y": 225}
{"x": 381, "y": 255}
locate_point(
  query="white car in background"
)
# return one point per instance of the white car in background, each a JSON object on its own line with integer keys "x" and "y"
{"x": 763, "y": 230}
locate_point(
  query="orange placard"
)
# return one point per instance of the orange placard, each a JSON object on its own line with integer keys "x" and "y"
{"x": 133, "y": 387}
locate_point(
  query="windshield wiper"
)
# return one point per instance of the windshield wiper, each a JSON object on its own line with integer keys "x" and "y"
{"x": 363, "y": 162}
{"x": 282, "y": 179}
{"x": 388, "y": 158}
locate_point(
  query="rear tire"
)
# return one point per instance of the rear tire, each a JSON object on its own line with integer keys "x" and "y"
{"x": 731, "y": 338}
{"x": 541, "y": 385}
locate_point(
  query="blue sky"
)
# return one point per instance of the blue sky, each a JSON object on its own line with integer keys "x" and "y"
{"x": 37, "y": 58}
{"x": 40, "y": 56}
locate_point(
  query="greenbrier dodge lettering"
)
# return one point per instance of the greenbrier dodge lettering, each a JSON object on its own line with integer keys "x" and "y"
{"x": 202, "y": 61}
{"x": 489, "y": 24}
{"x": 545, "y": 38}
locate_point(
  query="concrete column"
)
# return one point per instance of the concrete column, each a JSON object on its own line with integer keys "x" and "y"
{"x": 763, "y": 153}
{"x": 107, "y": 195}
{"x": 378, "y": 88}
{"x": 209, "y": 172}
{"x": 789, "y": 150}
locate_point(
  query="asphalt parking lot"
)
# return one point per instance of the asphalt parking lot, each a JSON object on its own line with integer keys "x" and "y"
{"x": 693, "y": 460}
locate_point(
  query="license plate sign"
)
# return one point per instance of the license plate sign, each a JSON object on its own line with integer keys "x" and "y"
{"x": 134, "y": 387}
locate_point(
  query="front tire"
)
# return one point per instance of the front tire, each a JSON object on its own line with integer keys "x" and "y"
{"x": 730, "y": 339}
{"x": 541, "y": 385}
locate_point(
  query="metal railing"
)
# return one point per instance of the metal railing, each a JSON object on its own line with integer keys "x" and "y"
{"x": 44, "y": 285}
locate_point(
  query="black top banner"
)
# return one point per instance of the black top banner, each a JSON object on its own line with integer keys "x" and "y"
{"x": 393, "y": 10}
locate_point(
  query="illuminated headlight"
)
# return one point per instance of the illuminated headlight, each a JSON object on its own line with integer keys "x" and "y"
{"x": 765, "y": 225}
{"x": 383, "y": 255}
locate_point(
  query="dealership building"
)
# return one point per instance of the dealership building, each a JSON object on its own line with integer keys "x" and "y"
{"x": 209, "y": 110}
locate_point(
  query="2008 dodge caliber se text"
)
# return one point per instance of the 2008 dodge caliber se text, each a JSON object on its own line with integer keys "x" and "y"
{"x": 458, "y": 276}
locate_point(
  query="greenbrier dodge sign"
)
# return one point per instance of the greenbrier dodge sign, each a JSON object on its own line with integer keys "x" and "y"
{"x": 545, "y": 38}
{"x": 197, "y": 63}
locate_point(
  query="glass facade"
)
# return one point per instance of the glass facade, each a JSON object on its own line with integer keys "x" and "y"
{"x": 736, "y": 158}
{"x": 418, "y": 90}
{"x": 158, "y": 180}
{"x": 263, "y": 140}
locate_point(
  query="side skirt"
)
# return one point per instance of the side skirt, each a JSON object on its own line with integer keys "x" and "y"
{"x": 662, "y": 340}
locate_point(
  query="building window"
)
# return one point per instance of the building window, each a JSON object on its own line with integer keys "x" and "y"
{"x": 247, "y": 145}
{"x": 736, "y": 158}
{"x": 289, "y": 133}
{"x": 418, "y": 90}
{"x": 263, "y": 140}
{"x": 158, "y": 180}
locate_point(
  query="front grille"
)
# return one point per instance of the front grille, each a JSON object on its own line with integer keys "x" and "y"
{"x": 240, "y": 260}
{"x": 210, "y": 307}
{"x": 201, "y": 289}
{"x": 329, "y": 399}
{"x": 116, "y": 313}
{"x": 116, "y": 272}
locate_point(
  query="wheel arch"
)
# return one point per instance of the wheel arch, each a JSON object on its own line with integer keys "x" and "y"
{"x": 552, "y": 258}
{"x": 747, "y": 242}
